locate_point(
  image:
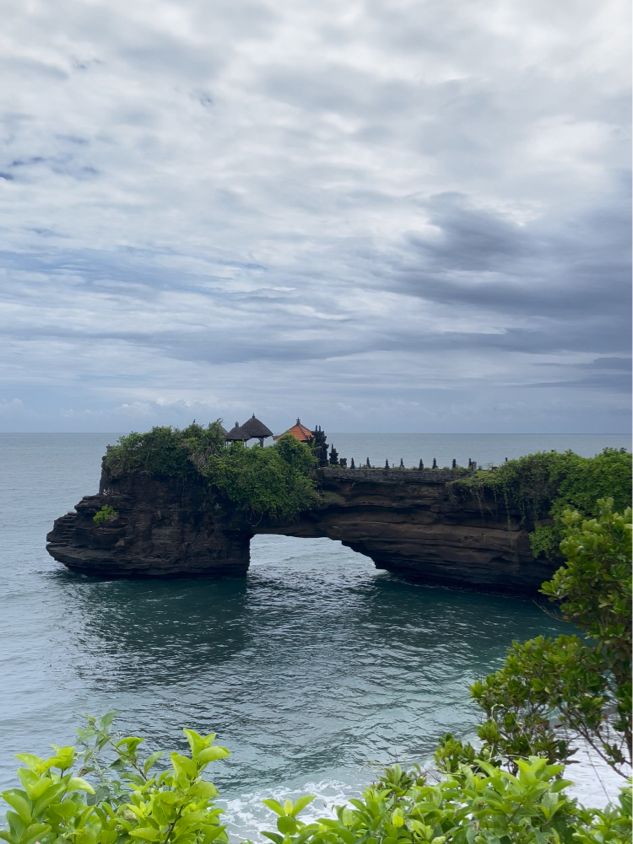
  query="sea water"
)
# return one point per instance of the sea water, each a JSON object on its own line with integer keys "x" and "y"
{"x": 316, "y": 669}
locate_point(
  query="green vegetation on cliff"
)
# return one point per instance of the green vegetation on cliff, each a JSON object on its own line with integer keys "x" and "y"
{"x": 164, "y": 451}
{"x": 105, "y": 515}
{"x": 541, "y": 486}
{"x": 276, "y": 482}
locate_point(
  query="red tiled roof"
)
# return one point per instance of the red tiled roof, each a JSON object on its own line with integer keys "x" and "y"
{"x": 299, "y": 432}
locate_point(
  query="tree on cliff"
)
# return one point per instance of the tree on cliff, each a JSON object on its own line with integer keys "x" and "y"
{"x": 553, "y": 694}
{"x": 274, "y": 483}
{"x": 165, "y": 451}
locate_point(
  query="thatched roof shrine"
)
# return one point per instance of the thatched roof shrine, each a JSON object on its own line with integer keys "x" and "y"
{"x": 253, "y": 428}
{"x": 237, "y": 434}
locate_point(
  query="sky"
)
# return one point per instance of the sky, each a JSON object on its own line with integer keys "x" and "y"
{"x": 377, "y": 215}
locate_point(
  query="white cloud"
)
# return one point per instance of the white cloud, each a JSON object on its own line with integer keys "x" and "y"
{"x": 237, "y": 205}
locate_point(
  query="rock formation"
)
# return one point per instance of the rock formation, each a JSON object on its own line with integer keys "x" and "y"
{"x": 411, "y": 522}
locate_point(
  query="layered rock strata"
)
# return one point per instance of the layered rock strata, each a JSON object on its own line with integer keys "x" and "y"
{"x": 406, "y": 521}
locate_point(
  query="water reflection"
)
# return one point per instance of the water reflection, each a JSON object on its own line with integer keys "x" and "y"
{"x": 129, "y": 634}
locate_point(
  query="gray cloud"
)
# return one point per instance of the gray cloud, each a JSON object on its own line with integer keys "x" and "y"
{"x": 475, "y": 257}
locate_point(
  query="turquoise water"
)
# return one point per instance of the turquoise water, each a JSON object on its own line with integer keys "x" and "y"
{"x": 316, "y": 669}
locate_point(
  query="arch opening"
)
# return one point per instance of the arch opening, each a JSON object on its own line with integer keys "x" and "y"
{"x": 308, "y": 555}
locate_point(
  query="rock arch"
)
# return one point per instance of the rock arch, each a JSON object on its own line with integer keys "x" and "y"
{"x": 406, "y": 521}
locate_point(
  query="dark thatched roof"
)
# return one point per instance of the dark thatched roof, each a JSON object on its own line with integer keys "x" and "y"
{"x": 255, "y": 428}
{"x": 237, "y": 434}
{"x": 251, "y": 429}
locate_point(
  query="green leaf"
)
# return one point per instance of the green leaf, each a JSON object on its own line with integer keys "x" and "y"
{"x": 287, "y": 824}
{"x": 63, "y": 758}
{"x": 31, "y": 761}
{"x": 183, "y": 765}
{"x": 274, "y": 806}
{"x": 129, "y": 744}
{"x": 151, "y": 760}
{"x": 211, "y": 754}
{"x": 196, "y": 741}
{"x": 20, "y": 803}
{"x": 397, "y": 818}
{"x": 300, "y": 804}
{"x": 145, "y": 833}
{"x": 34, "y": 832}
{"x": 80, "y": 784}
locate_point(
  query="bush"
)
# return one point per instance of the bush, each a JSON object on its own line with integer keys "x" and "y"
{"x": 164, "y": 451}
{"x": 541, "y": 486}
{"x": 105, "y": 515}
{"x": 482, "y": 805}
{"x": 275, "y": 483}
{"x": 80, "y": 797}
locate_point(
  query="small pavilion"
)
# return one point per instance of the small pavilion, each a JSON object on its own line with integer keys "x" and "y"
{"x": 299, "y": 432}
{"x": 253, "y": 428}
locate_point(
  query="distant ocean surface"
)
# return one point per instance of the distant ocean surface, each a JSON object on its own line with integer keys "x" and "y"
{"x": 485, "y": 449}
{"x": 316, "y": 670}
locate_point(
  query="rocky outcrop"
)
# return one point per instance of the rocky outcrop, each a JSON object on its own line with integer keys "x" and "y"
{"x": 163, "y": 528}
{"x": 407, "y": 521}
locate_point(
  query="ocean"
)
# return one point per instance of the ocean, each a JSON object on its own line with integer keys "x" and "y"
{"x": 316, "y": 669}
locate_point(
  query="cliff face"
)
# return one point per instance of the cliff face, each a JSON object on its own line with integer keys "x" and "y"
{"x": 406, "y": 521}
{"x": 163, "y": 528}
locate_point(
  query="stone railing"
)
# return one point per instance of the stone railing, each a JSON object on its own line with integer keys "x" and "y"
{"x": 395, "y": 473}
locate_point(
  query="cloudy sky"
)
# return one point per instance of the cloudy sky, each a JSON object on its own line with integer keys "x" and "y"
{"x": 380, "y": 215}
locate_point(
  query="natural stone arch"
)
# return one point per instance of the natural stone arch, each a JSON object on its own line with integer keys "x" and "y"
{"x": 405, "y": 521}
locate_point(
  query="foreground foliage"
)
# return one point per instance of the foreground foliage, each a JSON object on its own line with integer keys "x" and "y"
{"x": 80, "y": 796}
{"x": 551, "y": 695}
{"x": 107, "y": 791}
{"x": 276, "y": 482}
{"x": 467, "y": 807}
